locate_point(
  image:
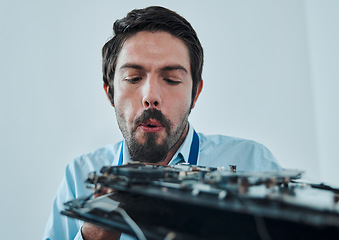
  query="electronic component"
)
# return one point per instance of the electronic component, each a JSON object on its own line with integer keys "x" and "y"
{"x": 194, "y": 202}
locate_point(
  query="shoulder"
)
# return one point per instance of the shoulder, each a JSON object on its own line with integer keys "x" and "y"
{"x": 248, "y": 155}
{"x": 210, "y": 142}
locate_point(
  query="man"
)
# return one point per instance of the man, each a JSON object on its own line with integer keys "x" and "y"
{"x": 152, "y": 76}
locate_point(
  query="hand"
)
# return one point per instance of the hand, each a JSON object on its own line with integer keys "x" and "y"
{"x": 99, "y": 190}
{"x": 92, "y": 232}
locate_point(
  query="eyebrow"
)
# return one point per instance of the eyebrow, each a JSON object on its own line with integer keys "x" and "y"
{"x": 166, "y": 68}
{"x": 134, "y": 66}
{"x": 174, "y": 67}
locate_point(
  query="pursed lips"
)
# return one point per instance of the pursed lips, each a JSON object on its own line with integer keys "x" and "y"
{"x": 151, "y": 125}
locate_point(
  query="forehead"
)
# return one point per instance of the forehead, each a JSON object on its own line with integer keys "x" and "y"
{"x": 154, "y": 50}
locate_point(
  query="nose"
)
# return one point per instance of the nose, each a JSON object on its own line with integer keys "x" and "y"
{"x": 151, "y": 94}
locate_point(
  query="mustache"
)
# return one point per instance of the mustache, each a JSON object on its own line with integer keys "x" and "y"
{"x": 155, "y": 114}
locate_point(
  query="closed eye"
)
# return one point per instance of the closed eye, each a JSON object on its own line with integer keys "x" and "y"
{"x": 172, "y": 82}
{"x": 133, "y": 80}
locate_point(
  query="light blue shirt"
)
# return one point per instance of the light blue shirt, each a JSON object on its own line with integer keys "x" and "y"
{"x": 214, "y": 151}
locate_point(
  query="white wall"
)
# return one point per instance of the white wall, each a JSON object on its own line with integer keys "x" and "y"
{"x": 323, "y": 35}
{"x": 270, "y": 75}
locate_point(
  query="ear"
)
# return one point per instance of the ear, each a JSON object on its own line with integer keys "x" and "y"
{"x": 199, "y": 89}
{"x": 108, "y": 94}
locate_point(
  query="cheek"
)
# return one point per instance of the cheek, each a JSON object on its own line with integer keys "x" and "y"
{"x": 125, "y": 105}
{"x": 125, "y": 99}
{"x": 183, "y": 99}
{"x": 178, "y": 107}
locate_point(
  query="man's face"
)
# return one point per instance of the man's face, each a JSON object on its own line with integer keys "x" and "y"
{"x": 152, "y": 94}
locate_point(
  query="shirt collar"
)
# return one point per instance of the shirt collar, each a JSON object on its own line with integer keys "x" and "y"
{"x": 184, "y": 149}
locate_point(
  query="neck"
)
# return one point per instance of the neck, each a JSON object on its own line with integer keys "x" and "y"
{"x": 175, "y": 148}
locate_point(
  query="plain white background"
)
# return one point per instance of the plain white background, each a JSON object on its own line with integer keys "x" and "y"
{"x": 271, "y": 75}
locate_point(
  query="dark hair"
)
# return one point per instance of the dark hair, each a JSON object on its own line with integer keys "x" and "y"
{"x": 152, "y": 19}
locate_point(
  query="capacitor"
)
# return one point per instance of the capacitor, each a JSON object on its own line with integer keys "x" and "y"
{"x": 233, "y": 168}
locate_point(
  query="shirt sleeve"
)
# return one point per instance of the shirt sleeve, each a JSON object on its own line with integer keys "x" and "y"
{"x": 60, "y": 227}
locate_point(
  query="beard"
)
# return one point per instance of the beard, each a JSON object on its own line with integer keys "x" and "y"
{"x": 150, "y": 150}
